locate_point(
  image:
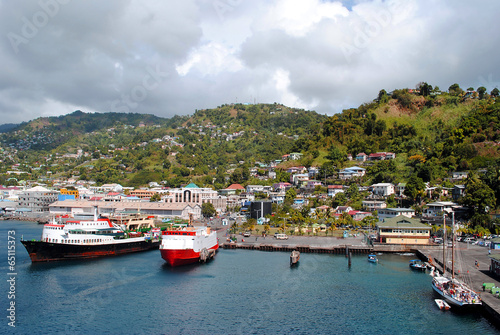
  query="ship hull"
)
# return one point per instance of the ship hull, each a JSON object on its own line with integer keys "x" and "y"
{"x": 40, "y": 251}
{"x": 454, "y": 302}
{"x": 177, "y": 257}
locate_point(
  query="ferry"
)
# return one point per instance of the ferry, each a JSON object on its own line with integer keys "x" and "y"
{"x": 82, "y": 239}
{"x": 188, "y": 245}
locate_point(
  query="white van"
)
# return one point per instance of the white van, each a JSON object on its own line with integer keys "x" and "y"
{"x": 281, "y": 236}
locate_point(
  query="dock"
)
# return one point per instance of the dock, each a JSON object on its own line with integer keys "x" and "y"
{"x": 337, "y": 249}
{"x": 476, "y": 275}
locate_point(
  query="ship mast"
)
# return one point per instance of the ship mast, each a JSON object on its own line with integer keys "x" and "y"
{"x": 453, "y": 245}
{"x": 444, "y": 243}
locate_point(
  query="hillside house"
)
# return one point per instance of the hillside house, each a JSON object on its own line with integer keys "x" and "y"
{"x": 281, "y": 186}
{"x": 343, "y": 209}
{"x": 359, "y": 215}
{"x": 382, "y": 189}
{"x": 311, "y": 185}
{"x": 438, "y": 208}
{"x": 313, "y": 171}
{"x": 374, "y": 205}
{"x": 361, "y": 157}
{"x": 335, "y": 189}
{"x": 232, "y": 189}
{"x": 351, "y": 172}
{"x": 399, "y": 189}
{"x": 459, "y": 175}
{"x": 295, "y": 156}
{"x": 457, "y": 192}
{"x": 296, "y": 169}
{"x": 299, "y": 178}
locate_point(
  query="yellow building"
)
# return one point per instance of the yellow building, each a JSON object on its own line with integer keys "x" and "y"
{"x": 403, "y": 230}
{"x": 70, "y": 192}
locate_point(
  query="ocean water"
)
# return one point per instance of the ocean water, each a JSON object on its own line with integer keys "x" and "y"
{"x": 239, "y": 292}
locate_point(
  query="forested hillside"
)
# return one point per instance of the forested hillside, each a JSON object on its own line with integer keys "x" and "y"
{"x": 432, "y": 133}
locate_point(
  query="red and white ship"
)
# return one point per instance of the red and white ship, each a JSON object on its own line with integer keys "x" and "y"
{"x": 190, "y": 245}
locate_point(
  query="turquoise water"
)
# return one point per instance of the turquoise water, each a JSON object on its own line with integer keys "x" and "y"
{"x": 239, "y": 292}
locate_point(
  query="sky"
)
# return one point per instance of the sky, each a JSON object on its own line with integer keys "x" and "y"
{"x": 171, "y": 57}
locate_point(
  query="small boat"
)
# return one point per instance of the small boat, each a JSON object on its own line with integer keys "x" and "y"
{"x": 372, "y": 258}
{"x": 416, "y": 264}
{"x": 443, "y": 305}
{"x": 294, "y": 257}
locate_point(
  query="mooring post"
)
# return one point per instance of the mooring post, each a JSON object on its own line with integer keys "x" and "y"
{"x": 349, "y": 259}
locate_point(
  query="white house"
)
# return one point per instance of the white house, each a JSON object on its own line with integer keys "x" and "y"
{"x": 351, "y": 172}
{"x": 335, "y": 189}
{"x": 374, "y": 205}
{"x": 383, "y": 189}
{"x": 438, "y": 208}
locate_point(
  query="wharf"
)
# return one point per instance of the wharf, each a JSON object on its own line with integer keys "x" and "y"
{"x": 476, "y": 275}
{"x": 337, "y": 249}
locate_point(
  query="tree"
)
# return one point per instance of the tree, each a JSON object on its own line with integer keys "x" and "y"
{"x": 382, "y": 96}
{"x": 336, "y": 155}
{"x": 208, "y": 209}
{"x": 455, "y": 89}
{"x": 479, "y": 197}
{"x": 414, "y": 188}
{"x": 425, "y": 89}
{"x": 290, "y": 196}
{"x": 495, "y": 92}
{"x": 339, "y": 199}
{"x": 155, "y": 197}
{"x": 481, "y": 90}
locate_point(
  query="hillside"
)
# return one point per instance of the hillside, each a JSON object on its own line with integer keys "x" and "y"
{"x": 431, "y": 134}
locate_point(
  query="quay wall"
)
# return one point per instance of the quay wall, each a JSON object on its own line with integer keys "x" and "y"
{"x": 338, "y": 249}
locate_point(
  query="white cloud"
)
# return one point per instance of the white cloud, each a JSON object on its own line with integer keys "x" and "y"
{"x": 317, "y": 54}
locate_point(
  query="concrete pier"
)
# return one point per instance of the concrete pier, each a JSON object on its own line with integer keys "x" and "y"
{"x": 337, "y": 249}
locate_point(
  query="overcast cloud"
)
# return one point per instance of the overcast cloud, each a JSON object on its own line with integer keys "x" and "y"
{"x": 172, "y": 57}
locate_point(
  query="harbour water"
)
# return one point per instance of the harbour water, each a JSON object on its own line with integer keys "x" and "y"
{"x": 240, "y": 291}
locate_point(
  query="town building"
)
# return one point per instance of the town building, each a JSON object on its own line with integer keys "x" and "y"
{"x": 403, "y": 230}
{"x": 192, "y": 194}
{"x": 159, "y": 209}
{"x": 37, "y": 199}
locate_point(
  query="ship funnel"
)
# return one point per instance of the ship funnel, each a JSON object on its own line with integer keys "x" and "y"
{"x": 96, "y": 214}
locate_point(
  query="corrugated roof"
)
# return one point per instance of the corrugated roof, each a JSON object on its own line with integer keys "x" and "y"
{"x": 401, "y": 221}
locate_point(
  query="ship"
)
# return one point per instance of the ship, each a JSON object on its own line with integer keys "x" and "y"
{"x": 83, "y": 239}
{"x": 188, "y": 245}
{"x": 449, "y": 288}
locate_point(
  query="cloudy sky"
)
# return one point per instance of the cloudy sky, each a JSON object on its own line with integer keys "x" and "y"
{"x": 171, "y": 57}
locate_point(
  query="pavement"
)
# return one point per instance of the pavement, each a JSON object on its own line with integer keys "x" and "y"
{"x": 312, "y": 241}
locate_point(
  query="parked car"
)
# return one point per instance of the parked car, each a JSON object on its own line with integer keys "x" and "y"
{"x": 247, "y": 234}
{"x": 281, "y": 236}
